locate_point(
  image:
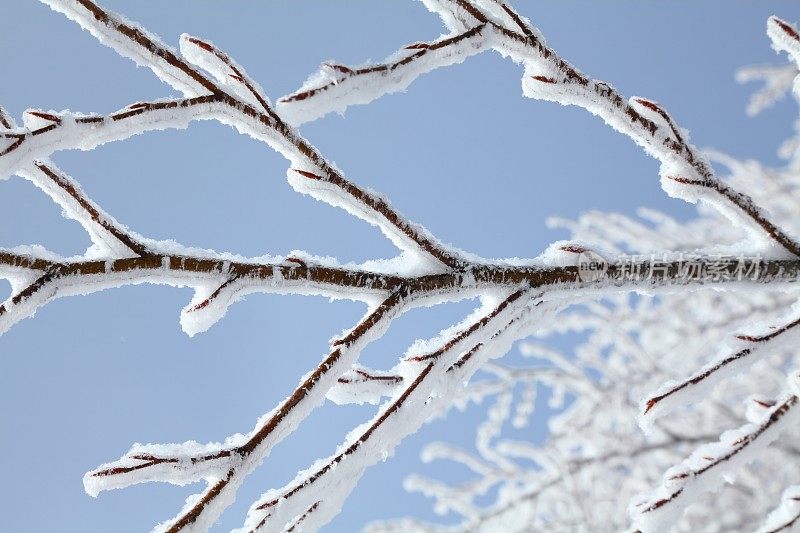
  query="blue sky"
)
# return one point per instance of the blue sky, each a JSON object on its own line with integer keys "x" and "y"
{"x": 461, "y": 152}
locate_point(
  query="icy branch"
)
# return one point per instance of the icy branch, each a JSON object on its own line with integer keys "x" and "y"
{"x": 224, "y": 468}
{"x": 786, "y": 515}
{"x": 336, "y": 476}
{"x": 710, "y": 465}
{"x": 697, "y": 386}
{"x": 518, "y": 296}
{"x": 685, "y": 173}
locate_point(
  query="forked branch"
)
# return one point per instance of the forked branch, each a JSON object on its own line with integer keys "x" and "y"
{"x": 705, "y": 469}
{"x": 517, "y": 296}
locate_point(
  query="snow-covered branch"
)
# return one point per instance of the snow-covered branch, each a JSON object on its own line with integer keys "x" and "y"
{"x": 711, "y": 464}
{"x": 695, "y": 387}
{"x": 685, "y": 173}
{"x": 631, "y": 345}
{"x": 784, "y": 517}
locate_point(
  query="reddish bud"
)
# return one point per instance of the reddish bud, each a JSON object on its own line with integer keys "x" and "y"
{"x": 309, "y": 175}
{"x": 687, "y": 181}
{"x": 46, "y": 116}
{"x": 791, "y": 32}
{"x": 650, "y": 404}
{"x": 201, "y": 305}
{"x": 202, "y": 44}
{"x": 144, "y": 457}
{"x": 649, "y": 105}
{"x": 296, "y": 260}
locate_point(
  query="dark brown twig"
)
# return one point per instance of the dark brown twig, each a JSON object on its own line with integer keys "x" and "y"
{"x": 144, "y": 42}
{"x": 525, "y": 27}
{"x": 628, "y": 274}
{"x": 422, "y": 49}
{"x": 238, "y": 74}
{"x": 446, "y": 347}
{"x": 64, "y": 183}
{"x": 364, "y": 375}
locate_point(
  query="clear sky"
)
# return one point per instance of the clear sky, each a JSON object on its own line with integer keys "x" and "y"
{"x": 461, "y": 152}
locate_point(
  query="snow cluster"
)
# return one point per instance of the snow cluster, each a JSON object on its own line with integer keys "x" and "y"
{"x": 786, "y": 515}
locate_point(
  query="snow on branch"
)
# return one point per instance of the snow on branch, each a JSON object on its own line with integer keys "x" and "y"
{"x": 111, "y": 237}
{"x": 362, "y": 385}
{"x": 336, "y": 87}
{"x": 134, "y": 42}
{"x": 710, "y": 465}
{"x": 414, "y": 403}
{"x": 785, "y": 37}
{"x": 518, "y": 297}
{"x": 685, "y": 172}
{"x": 595, "y": 458}
{"x": 224, "y": 466}
{"x": 698, "y": 385}
{"x": 786, "y": 515}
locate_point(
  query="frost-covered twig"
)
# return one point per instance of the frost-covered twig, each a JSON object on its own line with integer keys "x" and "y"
{"x": 229, "y": 107}
{"x": 697, "y": 385}
{"x": 54, "y": 277}
{"x": 685, "y": 173}
{"x": 518, "y": 296}
{"x": 706, "y": 469}
{"x": 66, "y": 191}
{"x": 338, "y": 86}
{"x": 337, "y": 475}
{"x": 224, "y": 467}
{"x": 786, "y": 515}
{"x": 606, "y": 376}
